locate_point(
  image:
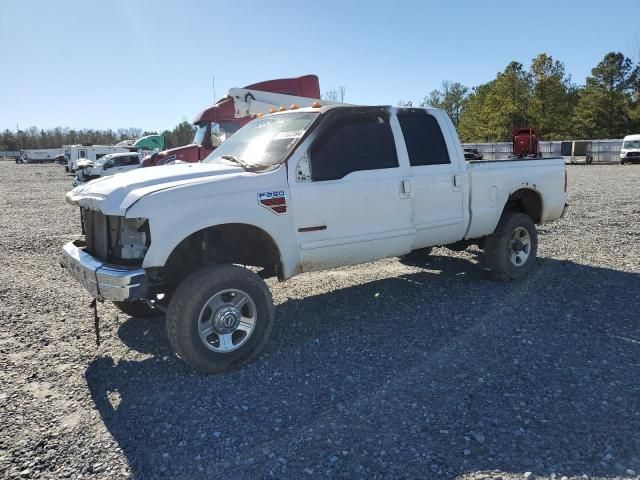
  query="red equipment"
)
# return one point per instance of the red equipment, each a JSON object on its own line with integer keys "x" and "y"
{"x": 222, "y": 117}
{"x": 526, "y": 142}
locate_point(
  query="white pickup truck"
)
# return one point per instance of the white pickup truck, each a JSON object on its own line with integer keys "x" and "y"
{"x": 110, "y": 164}
{"x": 291, "y": 192}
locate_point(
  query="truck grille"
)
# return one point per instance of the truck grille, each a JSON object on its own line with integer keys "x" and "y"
{"x": 633, "y": 154}
{"x": 96, "y": 233}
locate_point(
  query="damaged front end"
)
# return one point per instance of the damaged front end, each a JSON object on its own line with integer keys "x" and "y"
{"x": 108, "y": 263}
{"x": 115, "y": 239}
{"x": 85, "y": 172}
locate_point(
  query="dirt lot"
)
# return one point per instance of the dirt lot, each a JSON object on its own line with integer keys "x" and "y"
{"x": 387, "y": 370}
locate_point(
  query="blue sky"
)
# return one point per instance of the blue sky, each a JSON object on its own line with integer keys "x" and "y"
{"x": 149, "y": 64}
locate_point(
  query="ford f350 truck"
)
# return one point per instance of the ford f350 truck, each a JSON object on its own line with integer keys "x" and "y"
{"x": 292, "y": 192}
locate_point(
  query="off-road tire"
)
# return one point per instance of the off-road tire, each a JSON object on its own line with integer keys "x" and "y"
{"x": 498, "y": 249}
{"x": 188, "y": 301}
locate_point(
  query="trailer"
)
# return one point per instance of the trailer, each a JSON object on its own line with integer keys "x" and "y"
{"x": 41, "y": 155}
{"x": 576, "y": 151}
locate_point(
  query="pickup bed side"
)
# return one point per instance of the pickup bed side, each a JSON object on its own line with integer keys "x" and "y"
{"x": 537, "y": 185}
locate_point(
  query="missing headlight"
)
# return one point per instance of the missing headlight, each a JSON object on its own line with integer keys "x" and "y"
{"x": 129, "y": 238}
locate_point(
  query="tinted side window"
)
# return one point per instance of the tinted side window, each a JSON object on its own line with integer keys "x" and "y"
{"x": 132, "y": 160}
{"x": 424, "y": 140}
{"x": 353, "y": 142}
{"x": 118, "y": 161}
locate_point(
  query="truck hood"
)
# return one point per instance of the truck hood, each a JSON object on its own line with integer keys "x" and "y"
{"x": 114, "y": 194}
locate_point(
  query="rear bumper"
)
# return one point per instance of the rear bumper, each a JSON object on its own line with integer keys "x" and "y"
{"x": 104, "y": 281}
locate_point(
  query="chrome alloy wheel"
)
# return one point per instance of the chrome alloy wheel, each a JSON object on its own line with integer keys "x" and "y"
{"x": 520, "y": 246}
{"x": 227, "y": 320}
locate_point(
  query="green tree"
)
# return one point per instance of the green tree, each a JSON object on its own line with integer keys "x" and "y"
{"x": 451, "y": 97}
{"x": 494, "y": 108}
{"x": 553, "y": 98}
{"x": 182, "y": 134}
{"x": 605, "y": 105}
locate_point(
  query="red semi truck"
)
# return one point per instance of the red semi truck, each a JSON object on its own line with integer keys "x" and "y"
{"x": 235, "y": 110}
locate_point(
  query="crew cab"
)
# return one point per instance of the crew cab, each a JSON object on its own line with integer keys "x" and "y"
{"x": 110, "y": 164}
{"x": 298, "y": 191}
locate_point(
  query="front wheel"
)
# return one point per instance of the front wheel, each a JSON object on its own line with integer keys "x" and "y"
{"x": 511, "y": 250}
{"x": 220, "y": 318}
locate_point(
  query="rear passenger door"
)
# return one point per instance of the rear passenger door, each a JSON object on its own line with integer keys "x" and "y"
{"x": 436, "y": 183}
{"x": 130, "y": 162}
{"x": 346, "y": 193}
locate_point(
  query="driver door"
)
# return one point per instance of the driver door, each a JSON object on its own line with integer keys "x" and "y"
{"x": 348, "y": 203}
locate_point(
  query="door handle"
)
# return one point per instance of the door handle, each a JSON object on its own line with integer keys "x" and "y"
{"x": 457, "y": 181}
{"x": 406, "y": 187}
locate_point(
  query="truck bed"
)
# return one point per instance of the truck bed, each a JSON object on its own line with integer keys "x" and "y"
{"x": 513, "y": 160}
{"x": 493, "y": 181}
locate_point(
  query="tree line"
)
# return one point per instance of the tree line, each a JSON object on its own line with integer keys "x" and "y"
{"x": 544, "y": 96}
{"x": 35, "y": 138}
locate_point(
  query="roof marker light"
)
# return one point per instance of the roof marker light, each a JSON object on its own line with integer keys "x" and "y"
{"x": 283, "y": 108}
{"x": 294, "y": 106}
{"x": 316, "y": 105}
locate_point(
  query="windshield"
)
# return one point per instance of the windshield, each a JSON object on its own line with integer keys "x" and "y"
{"x": 631, "y": 144}
{"x": 198, "y": 138}
{"x": 219, "y": 132}
{"x": 264, "y": 141}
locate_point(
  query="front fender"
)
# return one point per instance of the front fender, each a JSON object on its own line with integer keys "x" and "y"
{"x": 172, "y": 226}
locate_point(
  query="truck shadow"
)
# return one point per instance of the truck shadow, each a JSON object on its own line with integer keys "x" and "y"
{"x": 432, "y": 374}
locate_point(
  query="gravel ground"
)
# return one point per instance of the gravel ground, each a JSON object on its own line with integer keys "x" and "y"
{"x": 385, "y": 370}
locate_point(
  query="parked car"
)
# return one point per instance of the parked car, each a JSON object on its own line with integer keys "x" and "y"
{"x": 630, "y": 151}
{"x": 472, "y": 154}
{"x": 106, "y": 165}
{"x": 292, "y": 192}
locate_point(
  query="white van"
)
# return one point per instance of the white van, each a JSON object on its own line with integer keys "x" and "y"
{"x": 630, "y": 151}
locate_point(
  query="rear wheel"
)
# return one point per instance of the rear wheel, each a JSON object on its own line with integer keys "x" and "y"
{"x": 511, "y": 250}
{"x": 220, "y": 318}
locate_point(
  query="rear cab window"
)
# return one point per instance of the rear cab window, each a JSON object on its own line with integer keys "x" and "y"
{"x": 350, "y": 142}
{"x": 423, "y": 137}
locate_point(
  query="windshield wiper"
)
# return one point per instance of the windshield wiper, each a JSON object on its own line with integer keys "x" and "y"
{"x": 238, "y": 161}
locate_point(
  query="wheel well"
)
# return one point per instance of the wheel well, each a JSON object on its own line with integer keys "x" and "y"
{"x": 237, "y": 243}
{"x": 526, "y": 201}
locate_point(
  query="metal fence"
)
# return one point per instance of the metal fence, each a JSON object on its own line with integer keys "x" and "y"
{"x": 600, "y": 150}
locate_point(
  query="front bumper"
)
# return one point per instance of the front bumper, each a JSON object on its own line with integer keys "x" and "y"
{"x": 104, "y": 281}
